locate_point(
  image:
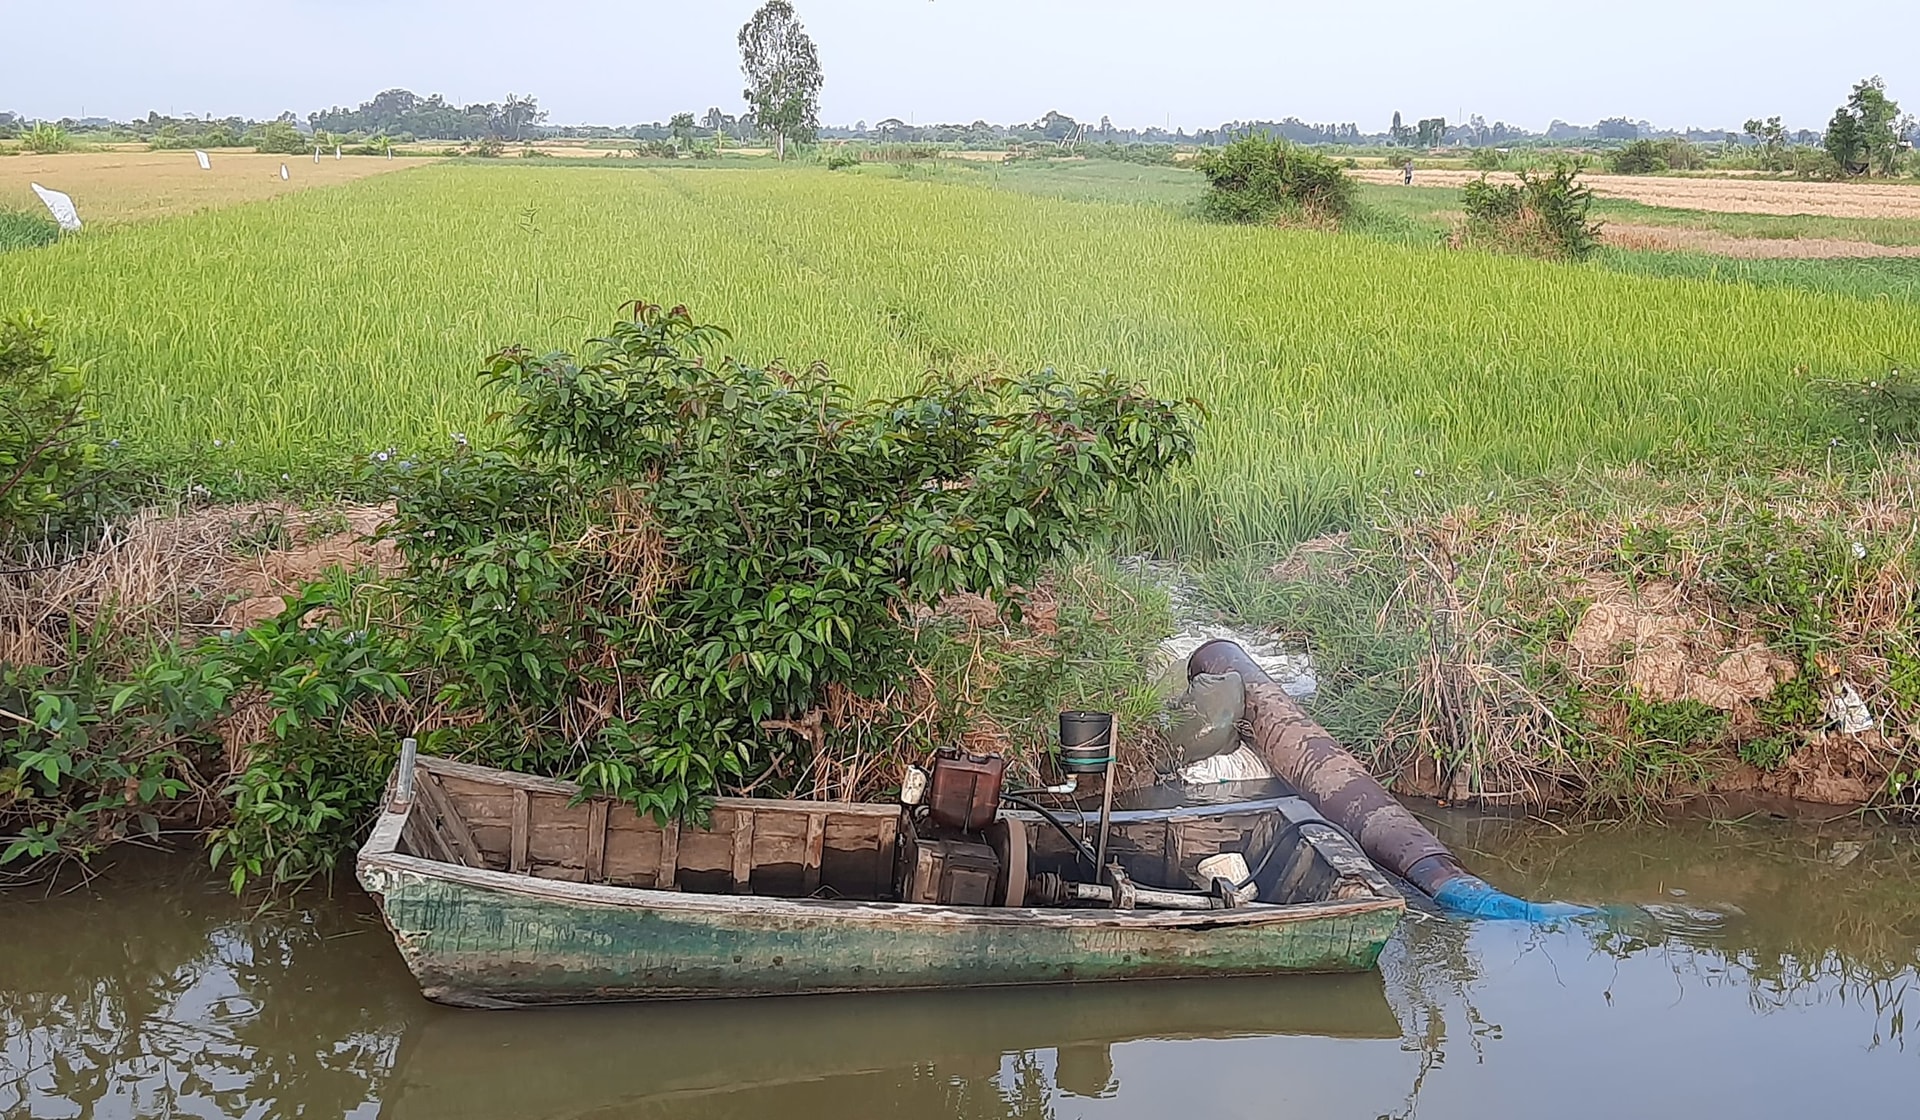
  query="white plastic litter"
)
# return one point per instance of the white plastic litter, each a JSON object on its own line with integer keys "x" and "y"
{"x": 1847, "y": 710}
{"x": 60, "y": 206}
{"x": 283, "y": 172}
{"x": 336, "y": 151}
{"x": 1240, "y": 765}
{"x": 205, "y": 163}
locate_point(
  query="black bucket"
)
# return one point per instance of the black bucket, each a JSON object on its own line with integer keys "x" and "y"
{"x": 1086, "y": 741}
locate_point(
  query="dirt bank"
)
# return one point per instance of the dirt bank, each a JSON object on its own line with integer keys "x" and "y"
{"x": 1629, "y": 639}
{"x": 1728, "y": 196}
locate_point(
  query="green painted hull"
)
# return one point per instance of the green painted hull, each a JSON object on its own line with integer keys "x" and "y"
{"x": 488, "y": 939}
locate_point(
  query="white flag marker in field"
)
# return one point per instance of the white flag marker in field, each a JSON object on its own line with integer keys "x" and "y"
{"x": 336, "y": 151}
{"x": 205, "y": 163}
{"x": 60, "y": 205}
{"x": 316, "y": 153}
{"x": 283, "y": 172}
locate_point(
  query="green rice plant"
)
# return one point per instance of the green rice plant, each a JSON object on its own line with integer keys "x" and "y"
{"x": 22, "y": 230}
{"x": 293, "y": 336}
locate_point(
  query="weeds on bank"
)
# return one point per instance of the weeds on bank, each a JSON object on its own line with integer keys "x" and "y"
{"x": 1623, "y": 638}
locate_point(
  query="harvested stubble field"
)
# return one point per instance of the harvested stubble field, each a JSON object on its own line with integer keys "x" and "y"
{"x": 130, "y": 186}
{"x": 1727, "y": 196}
{"x": 298, "y": 336}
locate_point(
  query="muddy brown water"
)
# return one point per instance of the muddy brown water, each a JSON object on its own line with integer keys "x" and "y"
{"x": 1755, "y": 969}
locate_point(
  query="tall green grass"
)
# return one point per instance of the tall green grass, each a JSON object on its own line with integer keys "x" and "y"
{"x": 22, "y": 230}
{"x": 297, "y": 334}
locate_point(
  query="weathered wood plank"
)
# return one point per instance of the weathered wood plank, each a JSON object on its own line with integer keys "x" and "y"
{"x": 667, "y": 871}
{"x": 522, "y": 831}
{"x": 816, "y": 846}
{"x": 742, "y": 852}
{"x": 448, "y": 822}
{"x": 596, "y": 864}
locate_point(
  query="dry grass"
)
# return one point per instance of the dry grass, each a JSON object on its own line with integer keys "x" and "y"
{"x": 1680, "y": 239}
{"x": 111, "y": 187}
{"x": 1727, "y": 196}
{"x": 181, "y": 575}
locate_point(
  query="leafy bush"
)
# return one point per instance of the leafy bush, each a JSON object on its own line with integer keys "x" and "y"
{"x": 48, "y": 448}
{"x": 46, "y": 139}
{"x": 1544, "y": 214}
{"x": 22, "y": 230}
{"x": 674, "y": 551}
{"x": 1884, "y": 409}
{"x": 280, "y": 138}
{"x": 1484, "y": 159}
{"x": 1650, "y": 157}
{"x": 1258, "y": 178}
{"x": 838, "y": 160}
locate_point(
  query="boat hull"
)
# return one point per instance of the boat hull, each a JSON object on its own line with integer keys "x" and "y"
{"x": 481, "y": 938}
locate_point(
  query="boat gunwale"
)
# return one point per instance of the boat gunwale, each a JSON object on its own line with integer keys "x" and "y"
{"x": 381, "y": 853}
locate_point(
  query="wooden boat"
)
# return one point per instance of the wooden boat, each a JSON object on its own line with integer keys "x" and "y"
{"x": 502, "y": 891}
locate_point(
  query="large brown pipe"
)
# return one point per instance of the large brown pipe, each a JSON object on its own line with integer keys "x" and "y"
{"x": 1334, "y": 782}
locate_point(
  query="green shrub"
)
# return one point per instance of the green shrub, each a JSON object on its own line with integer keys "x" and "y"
{"x": 1544, "y": 214}
{"x": 674, "y": 550}
{"x": 1882, "y": 409}
{"x": 1650, "y": 157}
{"x": 48, "y": 447}
{"x": 1484, "y": 159}
{"x": 1258, "y": 178}
{"x": 838, "y": 160}
{"x": 280, "y": 138}
{"x": 20, "y": 229}
{"x": 46, "y": 139}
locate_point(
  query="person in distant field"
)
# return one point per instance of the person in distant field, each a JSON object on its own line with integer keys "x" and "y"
{"x": 1406, "y": 173}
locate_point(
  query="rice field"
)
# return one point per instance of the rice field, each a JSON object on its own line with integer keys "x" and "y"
{"x": 122, "y": 186}
{"x": 300, "y": 334}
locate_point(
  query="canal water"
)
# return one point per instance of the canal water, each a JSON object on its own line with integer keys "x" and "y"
{"x": 1755, "y": 968}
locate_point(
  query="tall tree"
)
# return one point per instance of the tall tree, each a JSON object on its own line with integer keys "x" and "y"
{"x": 682, "y": 128}
{"x": 783, "y": 74}
{"x": 1864, "y": 136}
{"x": 518, "y": 115}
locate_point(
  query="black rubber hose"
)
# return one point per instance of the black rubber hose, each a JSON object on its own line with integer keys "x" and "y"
{"x": 1078, "y": 845}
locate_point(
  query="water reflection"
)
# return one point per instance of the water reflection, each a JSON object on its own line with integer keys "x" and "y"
{"x": 1732, "y": 960}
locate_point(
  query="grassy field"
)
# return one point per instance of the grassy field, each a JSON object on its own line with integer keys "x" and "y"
{"x": 303, "y": 333}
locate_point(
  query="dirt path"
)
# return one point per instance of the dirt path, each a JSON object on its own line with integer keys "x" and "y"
{"x": 131, "y": 186}
{"x": 1681, "y": 239}
{"x": 1727, "y": 196}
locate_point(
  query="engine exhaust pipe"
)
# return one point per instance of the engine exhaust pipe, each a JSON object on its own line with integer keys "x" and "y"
{"x": 1337, "y": 784}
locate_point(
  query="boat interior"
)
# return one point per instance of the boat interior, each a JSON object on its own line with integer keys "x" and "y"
{"x": 480, "y": 818}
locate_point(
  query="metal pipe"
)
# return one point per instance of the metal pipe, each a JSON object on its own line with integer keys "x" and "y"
{"x": 1144, "y": 896}
{"x": 1338, "y": 785}
{"x": 1106, "y": 805}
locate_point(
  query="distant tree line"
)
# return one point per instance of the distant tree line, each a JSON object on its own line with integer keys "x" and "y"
{"x": 433, "y": 117}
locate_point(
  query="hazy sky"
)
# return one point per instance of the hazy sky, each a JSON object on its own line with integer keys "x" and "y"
{"x": 1710, "y": 63}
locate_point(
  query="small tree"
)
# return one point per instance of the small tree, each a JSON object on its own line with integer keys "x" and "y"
{"x": 783, "y": 74}
{"x": 1432, "y": 132}
{"x": 682, "y": 126}
{"x": 1772, "y": 138}
{"x": 1863, "y": 138}
{"x": 1257, "y": 178}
